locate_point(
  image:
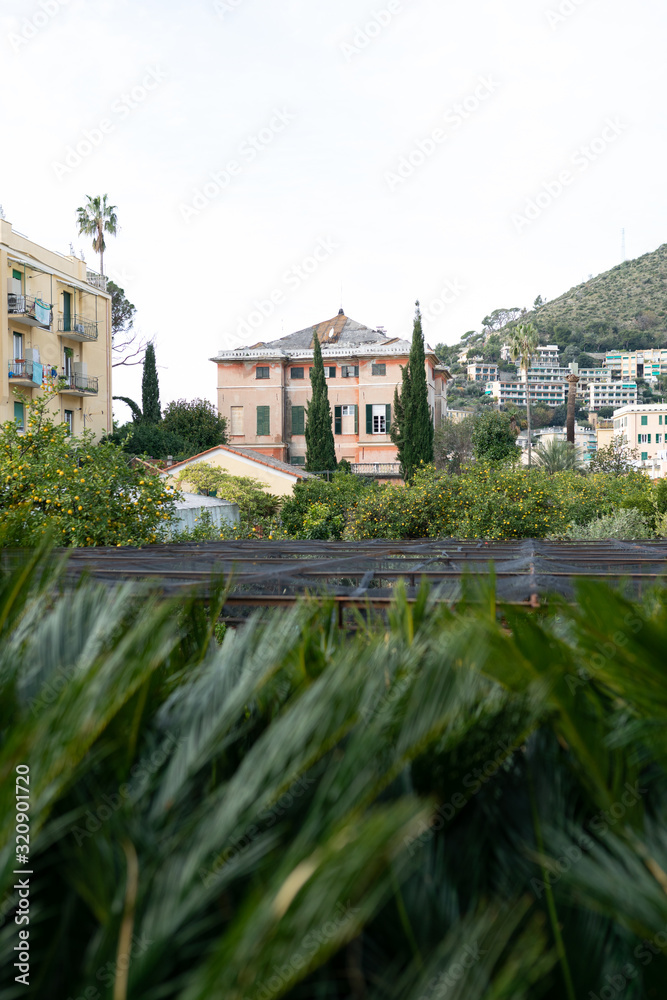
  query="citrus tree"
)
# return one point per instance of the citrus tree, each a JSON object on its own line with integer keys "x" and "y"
{"x": 80, "y": 492}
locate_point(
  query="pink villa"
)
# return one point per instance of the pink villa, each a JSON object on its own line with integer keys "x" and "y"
{"x": 263, "y": 391}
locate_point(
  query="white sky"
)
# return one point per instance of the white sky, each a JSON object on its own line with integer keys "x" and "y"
{"x": 351, "y": 104}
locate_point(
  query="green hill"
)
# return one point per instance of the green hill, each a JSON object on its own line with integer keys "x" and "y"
{"x": 624, "y": 308}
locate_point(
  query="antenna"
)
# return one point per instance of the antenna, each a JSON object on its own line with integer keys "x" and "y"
{"x": 623, "y": 243}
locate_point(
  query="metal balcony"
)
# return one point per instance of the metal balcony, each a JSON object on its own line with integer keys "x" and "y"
{"x": 77, "y": 328}
{"x": 28, "y": 373}
{"x": 74, "y": 384}
{"x": 33, "y": 311}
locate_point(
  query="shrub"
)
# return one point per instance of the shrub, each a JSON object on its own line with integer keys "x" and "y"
{"x": 340, "y": 496}
{"x": 622, "y": 524}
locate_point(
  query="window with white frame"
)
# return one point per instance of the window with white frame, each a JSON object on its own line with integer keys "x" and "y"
{"x": 379, "y": 418}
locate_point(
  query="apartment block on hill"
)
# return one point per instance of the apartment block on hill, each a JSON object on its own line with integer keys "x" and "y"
{"x": 647, "y": 364}
{"x": 55, "y": 327}
{"x": 264, "y": 390}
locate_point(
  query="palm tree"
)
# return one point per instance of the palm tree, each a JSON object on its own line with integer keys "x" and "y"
{"x": 457, "y": 803}
{"x": 557, "y": 456}
{"x": 523, "y": 343}
{"x": 95, "y": 219}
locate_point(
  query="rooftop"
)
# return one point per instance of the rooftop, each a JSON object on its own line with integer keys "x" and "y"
{"x": 340, "y": 335}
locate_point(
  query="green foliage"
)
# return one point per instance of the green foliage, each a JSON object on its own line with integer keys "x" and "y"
{"x": 486, "y": 501}
{"x": 150, "y": 389}
{"x": 452, "y": 444}
{"x": 78, "y": 492}
{"x": 615, "y": 459}
{"x": 256, "y": 504}
{"x": 197, "y": 422}
{"x": 493, "y": 439}
{"x": 556, "y": 456}
{"x": 412, "y": 427}
{"x": 331, "y": 502}
{"x": 122, "y": 310}
{"x": 623, "y": 524}
{"x": 152, "y": 440}
{"x": 96, "y": 218}
{"x": 440, "y": 800}
{"x": 320, "y": 447}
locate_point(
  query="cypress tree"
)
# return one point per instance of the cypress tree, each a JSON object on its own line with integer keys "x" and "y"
{"x": 320, "y": 448}
{"x": 412, "y": 430}
{"x": 150, "y": 389}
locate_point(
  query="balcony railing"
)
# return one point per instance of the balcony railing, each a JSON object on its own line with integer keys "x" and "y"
{"x": 27, "y": 372}
{"x": 377, "y": 469}
{"x": 35, "y": 311}
{"x": 98, "y": 280}
{"x": 72, "y": 382}
{"x": 77, "y": 328}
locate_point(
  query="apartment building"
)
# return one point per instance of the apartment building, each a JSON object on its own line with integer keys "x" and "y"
{"x": 647, "y": 364}
{"x": 611, "y": 393}
{"x": 264, "y": 389}
{"x": 552, "y": 392}
{"x": 481, "y": 371}
{"x": 545, "y": 355}
{"x": 55, "y": 329}
{"x": 643, "y": 428}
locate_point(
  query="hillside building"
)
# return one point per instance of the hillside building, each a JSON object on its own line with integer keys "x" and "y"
{"x": 264, "y": 390}
{"x": 55, "y": 329}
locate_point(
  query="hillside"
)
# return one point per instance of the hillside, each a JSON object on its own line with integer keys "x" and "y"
{"x": 625, "y": 308}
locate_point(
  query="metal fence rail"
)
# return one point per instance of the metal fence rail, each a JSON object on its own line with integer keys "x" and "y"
{"x": 355, "y": 574}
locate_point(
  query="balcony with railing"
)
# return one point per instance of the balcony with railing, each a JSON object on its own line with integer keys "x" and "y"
{"x": 74, "y": 384}
{"x": 97, "y": 280}
{"x": 28, "y": 373}
{"x": 384, "y": 470}
{"x": 32, "y": 311}
{"x": 75, "y": 327}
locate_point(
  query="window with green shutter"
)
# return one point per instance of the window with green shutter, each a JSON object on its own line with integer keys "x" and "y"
{"x": 263, "y": 420}
{"x": 369, "y": 418}
{"x": 388, "y": 416}
{"x": 298, "y": 420}
{"x": 644, "y": 456}
{"x": 19, "y": 416}
{"x": 644, "y": 421}
{"x": 338, "y": 419}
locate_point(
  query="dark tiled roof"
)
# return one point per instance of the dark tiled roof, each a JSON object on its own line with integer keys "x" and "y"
{"x": 340, "y": 331}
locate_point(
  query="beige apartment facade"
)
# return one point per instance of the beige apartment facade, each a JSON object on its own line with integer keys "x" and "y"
{"x": 55, "y": 330}
{"x": 643, "y": 428}
{"x": 264, "y": 390}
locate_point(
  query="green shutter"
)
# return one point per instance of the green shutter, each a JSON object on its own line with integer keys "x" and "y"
{"x": 263, "y": 420}
{"x": 644, "y": 421}
{"x": 338, "y": 419}
{"x": 356, "y": 419}
{"x": 639, "y": 439}
{"x": 298, "y": 420}
{"x": 369, "y": 418}
{"x": 649, "y": 439}
{"x": 19, "y": 415}
{"x": 644, "y": 456}
{"x": 388, "y": 416}
{"x": 16, "y": 275}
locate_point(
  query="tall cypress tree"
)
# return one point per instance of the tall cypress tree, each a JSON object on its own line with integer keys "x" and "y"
{"x": 320, "y": 448}
{"x": 150, "y": 389}
{"x": 412, "y": 430}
